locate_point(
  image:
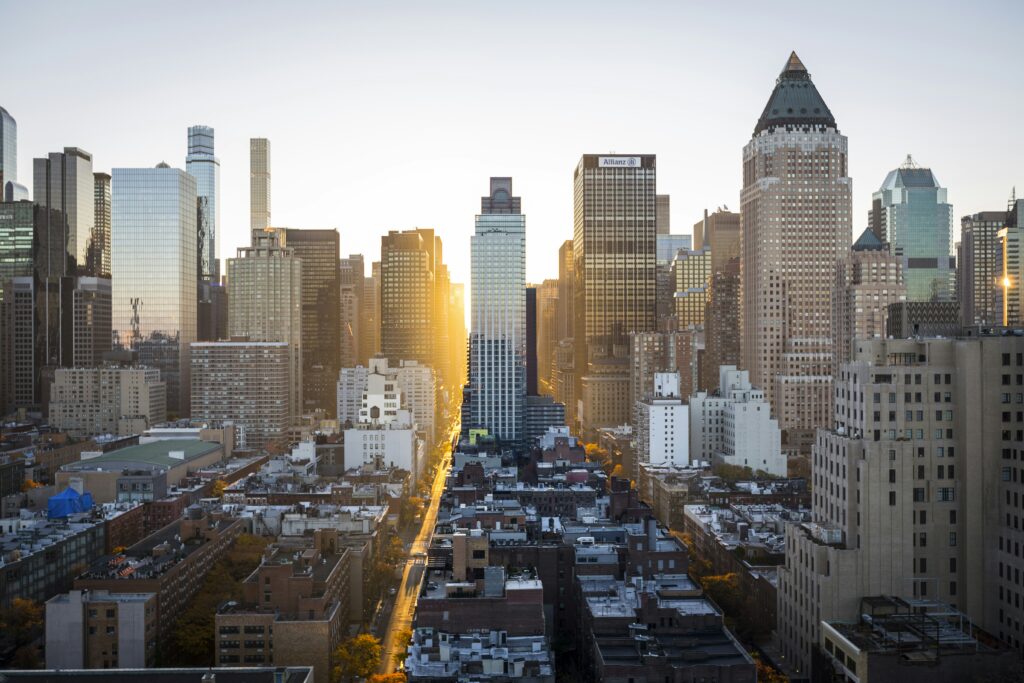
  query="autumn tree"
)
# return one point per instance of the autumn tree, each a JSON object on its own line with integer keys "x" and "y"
{"x": 20, "y": 625}
{"x": 387, "y": 678}
{"x": 402, "y": 640}
{"x": 357, "y": 657}
{"x": 767, "y": 673}
{"x": 217, "y": 490}
{"x": 192, "y": 639}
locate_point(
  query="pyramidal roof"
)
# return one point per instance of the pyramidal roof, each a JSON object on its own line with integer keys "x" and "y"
{"x": 795, "y": 101}
{"x": 868, "y": 241}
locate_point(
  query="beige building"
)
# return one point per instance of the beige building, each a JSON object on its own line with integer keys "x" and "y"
{"x": 246, "y": 384}
{"x": 265, "y": 303}
{"x": 605, "y": 397}
{"x": 796, "y": 217}
{"x": 259, "y": 183}
{"x": 914, "y": 491}
{"x": 868, "y": 279}
{"x": 110, "y": 399}
{"x": 294, "y": 608}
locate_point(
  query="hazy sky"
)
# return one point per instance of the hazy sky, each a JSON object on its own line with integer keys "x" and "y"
{"x": 388, "y": 115}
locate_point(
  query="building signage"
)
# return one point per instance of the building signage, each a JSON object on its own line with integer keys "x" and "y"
{"x": 618, "y": 162}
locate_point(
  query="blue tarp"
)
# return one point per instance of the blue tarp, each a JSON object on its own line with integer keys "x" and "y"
{"x": 68, "y": 502}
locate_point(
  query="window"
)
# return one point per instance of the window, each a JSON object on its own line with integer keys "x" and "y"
{"x": 892, "y": 497}
{"x": 952, "y": 539}
{"x": 919, "y": 495}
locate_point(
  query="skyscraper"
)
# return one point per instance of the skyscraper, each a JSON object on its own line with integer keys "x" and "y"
{"x": 259, "y": 183}
{"x": 8, "y": 155}
{"x": 407, "y": 295}
{"x": 321, "y": 312}
{"x": 547, "y": 309}
{"x": 869, "y": 278}
{"x": 153, "y": 211}
{"x": 68, "y": 259}
{"x": 457, "y": 333}
{"x": 613, "y": 249}
{"x": 64, "y": 182}
{"x": 663, "y": 213}
{"x": 615, "y": 218}
{"x": 720, "y": 232}
{"x": 690, "y": 277}
{"x": 265, "y": 304}
{"x": 352, "y": 283}
{"x": 498, "y": 326}
{"x": 369, "y": 344}
{"x": 980, "y": 266}
{"x": 205, "y": 167}
{"x": 796, "y": 224}
{"x": 98, "y": 258}
{"x": 910, "y": 212}
{"x": 29, "y": 338}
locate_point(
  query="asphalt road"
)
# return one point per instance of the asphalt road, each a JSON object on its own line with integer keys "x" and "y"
{"x": 408, "y": 591}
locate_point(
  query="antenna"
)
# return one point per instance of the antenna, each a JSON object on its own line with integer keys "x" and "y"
{"x": 910, "y": 163}
{"x": 136, "y": 333}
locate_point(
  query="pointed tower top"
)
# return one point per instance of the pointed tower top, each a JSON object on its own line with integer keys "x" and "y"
{"x": 794, "y": 64}
{"x": 795, "y": 102}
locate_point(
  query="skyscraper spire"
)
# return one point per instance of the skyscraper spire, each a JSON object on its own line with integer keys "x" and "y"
{"x": 795, "y": 102}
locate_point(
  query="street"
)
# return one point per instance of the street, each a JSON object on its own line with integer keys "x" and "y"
{"x": 408, "y": 591}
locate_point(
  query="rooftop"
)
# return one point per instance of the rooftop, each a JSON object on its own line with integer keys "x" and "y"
{"x": 795, "y": 102}
{"x": 156, "y": 454}
{"x": 296, "y": 674}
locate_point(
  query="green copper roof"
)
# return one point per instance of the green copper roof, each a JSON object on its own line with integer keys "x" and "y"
{"x": 795, "y": 101}
{"x": 868, "y": 241}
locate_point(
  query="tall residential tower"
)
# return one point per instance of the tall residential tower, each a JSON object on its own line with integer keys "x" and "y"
{"x": 497, "y": 351}
{"x": 259, "y": 183}
{"x": 205, "y": 168}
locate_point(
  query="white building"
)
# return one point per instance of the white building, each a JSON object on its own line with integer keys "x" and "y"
{"x": 413, "y": 386}
{"x": 385, "y": 444}
{"x": 497, "y": 341}
{"x": 351, "y": 385}
{"x": 663, "y": 423}
{"x": 735, "y": 427}
{"x": 386, "y": 434}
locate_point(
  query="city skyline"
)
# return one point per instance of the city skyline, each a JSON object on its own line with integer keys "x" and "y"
{"x": 414, "y": 119}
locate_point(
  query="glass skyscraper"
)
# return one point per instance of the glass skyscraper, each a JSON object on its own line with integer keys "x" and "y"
{"x": 910, "y": 212}
{"x": 154, "y": 254}
{"x": 205, "y": 168}
{"x": 64, "y": 182}
{"x": 8, "y": 150}
{"x": 497, "y": 352}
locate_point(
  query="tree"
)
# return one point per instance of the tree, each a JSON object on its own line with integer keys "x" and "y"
{"x": 387, "y": 678}
{"x": 767, "y": 673}
{"x": 192, "y": 639}
{"x": 617, "y": 471}
{"x": 357, "y": 657}
{"x": 394, "y": 551}
{"x": 402, "y": 639}
{"x": 217, "y": 490}
{"x": 21, "y": 620}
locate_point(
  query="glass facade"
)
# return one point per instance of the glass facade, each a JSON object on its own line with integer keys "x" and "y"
{"x": 99, "y": 254}
{"x": 64, "y": 182}
{"x": 497, "y": 352}
{"x": 8, "y": 149}
{"x": 205, "y": 168}
{"x": 910, "y": 212}
{"x": 154, "y": 256}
